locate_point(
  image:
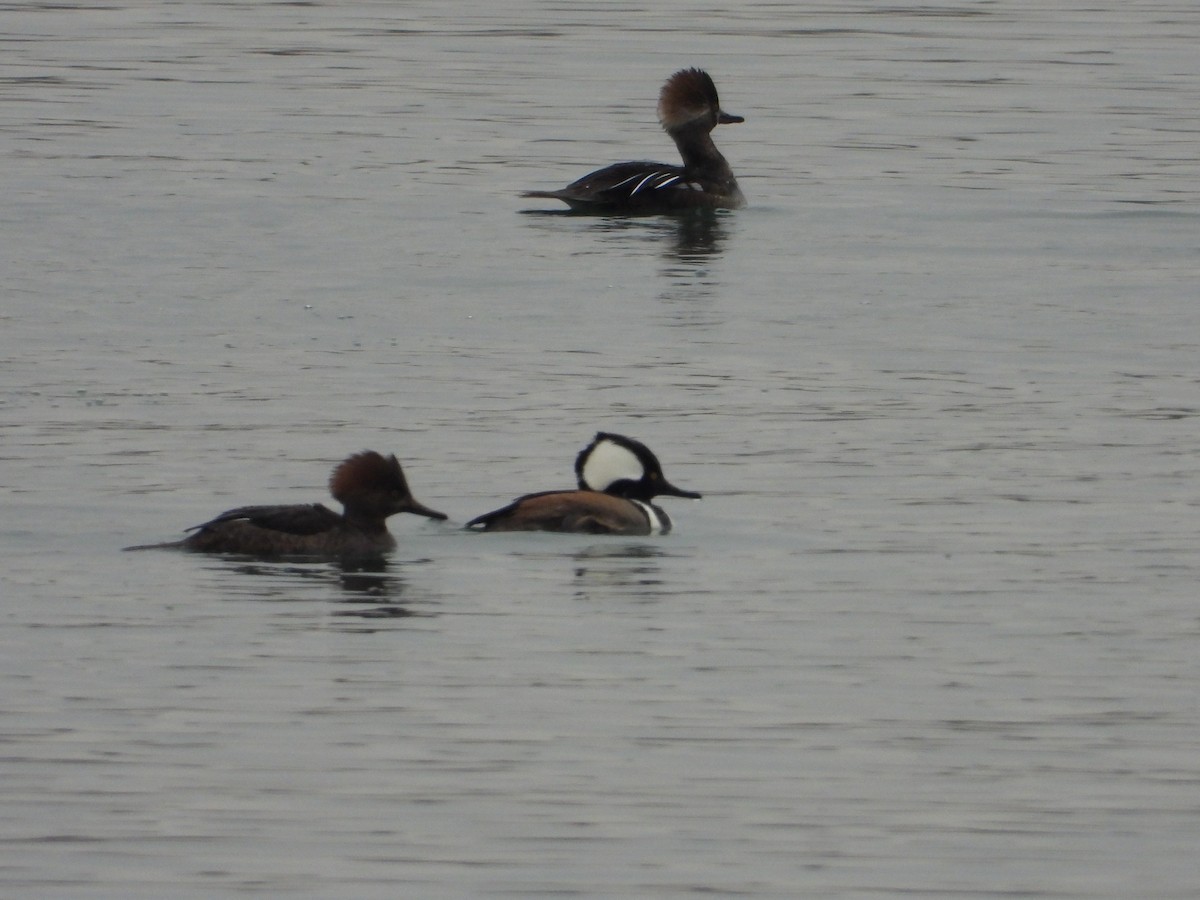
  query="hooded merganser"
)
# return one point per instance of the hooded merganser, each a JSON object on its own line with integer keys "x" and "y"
{"x": 689, "y": 110}
{"x": 369, "y": 486}
{"x": 618, "y": 477}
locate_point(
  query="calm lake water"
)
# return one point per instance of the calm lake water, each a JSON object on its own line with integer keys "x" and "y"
{"x": 933, "y": 629}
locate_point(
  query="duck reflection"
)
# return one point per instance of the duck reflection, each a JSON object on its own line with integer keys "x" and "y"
{"x": 689, "y": 244}
{"x": 352, "y": 582}
{"x": 686, "y": 237}
{"x": 688, "y": 271}
{"x": 629, "y": 567}
{"x": 698, "y": 238}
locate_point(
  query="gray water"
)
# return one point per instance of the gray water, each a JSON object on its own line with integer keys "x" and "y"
{"x": 933, "y": 629}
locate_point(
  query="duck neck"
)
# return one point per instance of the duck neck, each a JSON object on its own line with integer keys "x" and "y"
{"x": 701, "y": 158}
{"x": 366, "y": 521}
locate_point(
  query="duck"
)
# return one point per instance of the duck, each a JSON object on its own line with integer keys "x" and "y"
{"x": 370, "y": 487}
{"x": 689, "y": 109}
{"x": 618, "y": 478}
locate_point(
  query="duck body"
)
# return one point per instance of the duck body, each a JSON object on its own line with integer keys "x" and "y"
{"x": 306, "y": 530}
{"x": 638, "y": 188}
{"x": 369, "y": 486}
{"x": 580, "y": 512}
{"x": 618, "y": 478}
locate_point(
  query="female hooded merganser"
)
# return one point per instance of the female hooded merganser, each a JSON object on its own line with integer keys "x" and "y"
{"x": 689, "y": 110}
{"x": 369, "y": 486}
{"x": 618, "y": 477}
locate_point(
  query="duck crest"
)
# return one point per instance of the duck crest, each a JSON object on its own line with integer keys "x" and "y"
{"x": 364, "y": 472}
{"x": 687, "y": 96}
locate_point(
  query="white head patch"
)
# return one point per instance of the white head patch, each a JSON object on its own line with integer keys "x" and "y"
{"x": 609, "y": 463}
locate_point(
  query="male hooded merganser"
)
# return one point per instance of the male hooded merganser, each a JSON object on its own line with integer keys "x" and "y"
{"x": 369, "y": 486}
{"x": 618, "y": 477}
{"x": 689, "y": 110}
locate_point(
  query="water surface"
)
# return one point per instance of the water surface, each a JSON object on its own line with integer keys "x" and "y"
{"x": 932, "y": 629}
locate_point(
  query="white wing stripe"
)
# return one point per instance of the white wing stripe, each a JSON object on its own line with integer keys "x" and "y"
{"x": 642, "y": 183}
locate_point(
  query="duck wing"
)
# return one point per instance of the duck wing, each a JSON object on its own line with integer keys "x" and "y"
{"x": 296, "y": 519}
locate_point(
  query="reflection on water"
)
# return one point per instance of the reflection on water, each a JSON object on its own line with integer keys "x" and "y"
{"x": 693, "y": 252}
{"x": 698, "y": 238}
{"x": 379, "y": 612}
{"x": 631, "y": 567}
{"x": 691, "y": 246}
{"x": 686, "y": 237}
{"x": 349, "y": 581}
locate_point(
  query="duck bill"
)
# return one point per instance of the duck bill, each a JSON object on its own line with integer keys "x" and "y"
{"x": 419, "y": 509}
{"x": 669, "y": 490}
{"x": 724, "y": 118}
